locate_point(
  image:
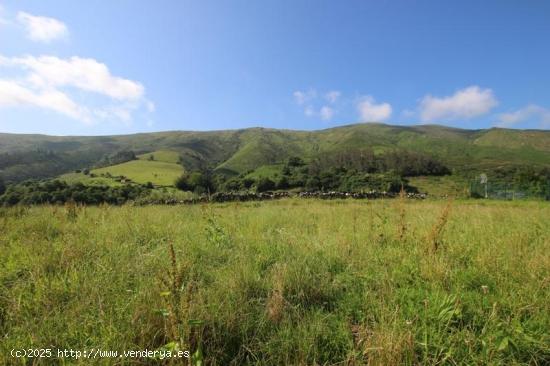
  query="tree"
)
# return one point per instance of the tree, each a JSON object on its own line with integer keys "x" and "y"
{"x": 283, "y": 183}
{"x": 286, "y": 170}
{"x": 265, "y": 184}
{"x": 197, "y": 182}
{"x": 182, "y": 183}
{"x": 2, "y": 186}
{"x": 248, "y": 182}
{"x": 313, "y": 184}
{"x": 295, "y": 161}
{"x": 233, "y": 184}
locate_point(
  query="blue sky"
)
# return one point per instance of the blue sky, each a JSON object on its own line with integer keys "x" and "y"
{"x": 98, "y": 67}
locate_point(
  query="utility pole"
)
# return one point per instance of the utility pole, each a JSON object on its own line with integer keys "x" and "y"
{"x": 483, "y": 180}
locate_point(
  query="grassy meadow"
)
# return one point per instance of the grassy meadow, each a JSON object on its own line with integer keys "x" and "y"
{"x": 160, "y": 168}
{"x": 143, "y": 171}
{"x": 290, "y": 282}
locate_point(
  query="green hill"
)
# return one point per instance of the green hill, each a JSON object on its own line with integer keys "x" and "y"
{"x": 233, "y": 152}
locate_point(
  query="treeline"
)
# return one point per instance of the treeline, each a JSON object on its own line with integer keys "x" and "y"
{"x": 118, "y": 157}
{"x": 345, "y": 171}
{"x": 401, "y": 163}
{"x": 56, "y": 191}
{"x": 333, "y": 179}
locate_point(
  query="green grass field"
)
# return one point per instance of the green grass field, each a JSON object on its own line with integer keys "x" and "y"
{"x": 162, "y": 171}
{"x": 443, "y": 186}
{"x": 291, "y": 282}
{"x": 143, "y": 171}
{"x": 166, "y": 156}
{"x": 86, "y": 179}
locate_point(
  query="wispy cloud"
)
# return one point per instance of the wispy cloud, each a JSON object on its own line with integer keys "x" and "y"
{"x": 303, "y": 97}
{"x": 42, "y": 29}
{"x": 370, "y": 111}
{"x": 49, "y": 81}
{"x": 466, "y": 103}
{"x": 13, "y": 94}
{"x": 332, "y": 96}
{"x": 531, "y": 112}
{"x": 3, "y": 19}
{"x": 310, "y": 100}
{"x": 326, "y": 113}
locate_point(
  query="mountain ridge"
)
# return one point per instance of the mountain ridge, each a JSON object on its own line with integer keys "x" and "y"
{"x": 412, "y": 126}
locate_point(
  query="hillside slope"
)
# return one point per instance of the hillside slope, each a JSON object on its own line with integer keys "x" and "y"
{"x": 238, "y": 151}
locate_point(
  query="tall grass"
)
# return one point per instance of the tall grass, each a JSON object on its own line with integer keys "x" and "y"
{"x": 292, "y": 282}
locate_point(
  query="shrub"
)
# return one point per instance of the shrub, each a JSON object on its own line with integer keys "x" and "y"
{"x": 248, "y": 182}
{"x": 295, "y": 161}
{"x": 283, "y": 183}
{"x": 197, "y": 182}
{"x": 2, "y": 186}
{"x": 265, "y": 184}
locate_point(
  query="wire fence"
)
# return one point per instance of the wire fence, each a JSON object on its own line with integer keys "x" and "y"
{"x": 507, "y": 190}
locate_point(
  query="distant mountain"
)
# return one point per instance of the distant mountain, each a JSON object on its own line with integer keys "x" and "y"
{"x": 233, "y": 152}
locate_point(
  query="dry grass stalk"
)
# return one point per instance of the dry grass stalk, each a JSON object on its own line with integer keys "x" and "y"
{"x": 385, "y": 346}
{"x": 276, "y": 302}
{"x": 402, "y": 224}
{"x": 434, "y": 238}
{"x": 177, "y": 300}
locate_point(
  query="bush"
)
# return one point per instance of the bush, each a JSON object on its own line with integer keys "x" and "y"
{"x": 313, "y": 184}
{"x": 197, "y": 182}
{"x": 265, "y": 184}
{"x": 182, "y": 183}
{"x": 2, "y": 186}
{"x": 55, "y": 191}
{"x": 248, "y": 182}
{"x": 295, "y": 161}
{"x": 283, "y": 183}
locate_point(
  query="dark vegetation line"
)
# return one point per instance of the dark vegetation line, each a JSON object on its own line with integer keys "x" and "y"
{"x": 59, "y": 192}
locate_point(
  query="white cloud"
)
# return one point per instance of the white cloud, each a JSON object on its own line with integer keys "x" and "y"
{"x": 466, "y": 103}
{"x": 369, "y": 111}
{"x": 48, "y": 80}
{"x": 326, "y": 113}
{"x": 303, "y": 97}
{"x": 13, "y": 94}
{"x": 82, "y": 73}
{"x": 332, "y": 96}
{"x": 530, "y": 112}
{"x": 42, "y": 29}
